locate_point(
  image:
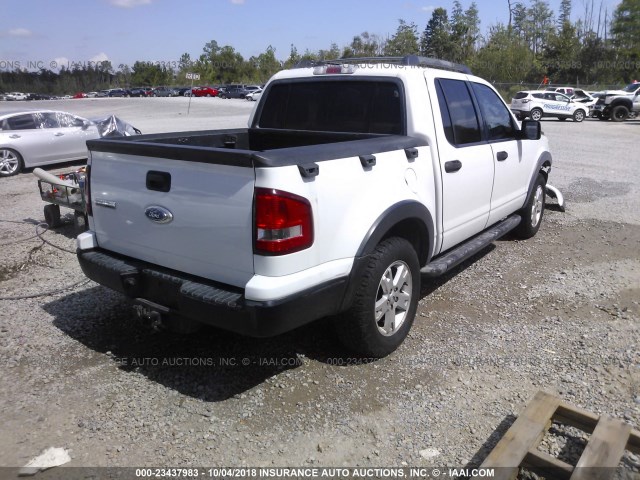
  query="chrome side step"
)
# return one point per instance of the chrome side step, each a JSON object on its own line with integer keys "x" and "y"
{"x": 446, "y": 262}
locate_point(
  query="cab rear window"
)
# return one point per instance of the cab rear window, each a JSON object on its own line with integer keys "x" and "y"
{"x": 335, "y": 106}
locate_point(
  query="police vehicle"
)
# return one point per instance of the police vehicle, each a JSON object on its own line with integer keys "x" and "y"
{"x": 540, "y": 103}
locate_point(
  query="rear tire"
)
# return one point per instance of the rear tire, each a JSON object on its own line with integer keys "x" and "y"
{"x": 619, "y": 113}
{"x": 385, "y": 301}
{"x": 533, "y": 210}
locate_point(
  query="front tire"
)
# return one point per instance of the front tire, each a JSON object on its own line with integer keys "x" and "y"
{"x": 11, "y": 162}
{"x": 385, "y": 301}
{"x": 536, "y": 114}
{"x": 578, "y": 116}
{"x": 533, "y": 210}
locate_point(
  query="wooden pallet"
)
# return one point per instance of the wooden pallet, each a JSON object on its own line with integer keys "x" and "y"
{"x": 518, "y": 447}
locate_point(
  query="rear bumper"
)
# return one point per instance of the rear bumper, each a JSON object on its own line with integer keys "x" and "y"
{"x": 208, "y": 302}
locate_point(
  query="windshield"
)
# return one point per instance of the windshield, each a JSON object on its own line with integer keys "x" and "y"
{"x": 632, "y": 87}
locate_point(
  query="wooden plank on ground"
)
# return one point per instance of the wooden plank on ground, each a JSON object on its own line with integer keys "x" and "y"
{"x": 576, "y": 417}
{"x": 633, "y": 444}
{"x": 536, "y": 459}
{"x": 522, "y": 436}
{"x": 604, "y": 450}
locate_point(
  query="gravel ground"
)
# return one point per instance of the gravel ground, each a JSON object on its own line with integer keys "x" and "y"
{"x": 558, "y": 312}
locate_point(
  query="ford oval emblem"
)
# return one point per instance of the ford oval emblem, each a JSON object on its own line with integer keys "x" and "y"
{"x": 158, "y": 214}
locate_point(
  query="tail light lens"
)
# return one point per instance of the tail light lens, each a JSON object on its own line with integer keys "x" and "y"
{"x": 283, "y": 222}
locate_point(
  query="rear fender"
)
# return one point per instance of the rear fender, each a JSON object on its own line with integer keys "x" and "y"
{"x": 407, "y": 219}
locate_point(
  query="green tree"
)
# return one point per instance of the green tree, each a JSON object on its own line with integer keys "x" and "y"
{"x": 294, "y": 57}
{"x": 267, "y": 65}
{"x": 541, "y": 22}
{"x": 565, "y": 13}
{"x": 625, "y": 28}
{"x": 560, "y": 56}
{"x": 465, "y": 32}
{"x": 505, "y": 58}
{"x": 436, "y": 40}
{"x": 404, "y": 41}
{"x": 364, "y": 45}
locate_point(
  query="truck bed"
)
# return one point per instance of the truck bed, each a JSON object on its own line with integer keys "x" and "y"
{"x": 254, "y": 147}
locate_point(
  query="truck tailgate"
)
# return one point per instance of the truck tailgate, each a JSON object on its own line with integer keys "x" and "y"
{"x": 210, "y": 234}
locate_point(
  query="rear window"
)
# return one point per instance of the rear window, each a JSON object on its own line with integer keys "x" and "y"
{"x": 520, "y": 95}
{"x": 335, "y": 106}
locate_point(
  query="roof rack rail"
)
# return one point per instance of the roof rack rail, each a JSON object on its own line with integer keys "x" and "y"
{"x": 414, "y": 60}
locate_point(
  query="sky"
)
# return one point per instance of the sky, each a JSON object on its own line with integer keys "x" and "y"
{"x": 47, "y": 34}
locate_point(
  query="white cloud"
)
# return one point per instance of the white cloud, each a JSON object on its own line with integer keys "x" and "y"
{"x": 129, "y": 3}
{"x": 19, "y": 32}
{"x": 428, "y": 9}
{"x": 60, "y": 62}
{"x": 101, "y": 57}
{"x": 237, "y": 2}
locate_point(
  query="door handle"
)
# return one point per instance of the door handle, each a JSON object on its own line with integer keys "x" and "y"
{"x": 14, "y": 136}
{"x": 59, "y": 134}
{"x": 502, "y": 156}
{"x": 452, "y": 166}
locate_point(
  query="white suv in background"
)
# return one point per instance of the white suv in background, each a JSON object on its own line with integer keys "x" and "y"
{"x": 540, "y": 103}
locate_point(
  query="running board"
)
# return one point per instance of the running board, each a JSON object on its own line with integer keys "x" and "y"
{"x": 469, "y": 248}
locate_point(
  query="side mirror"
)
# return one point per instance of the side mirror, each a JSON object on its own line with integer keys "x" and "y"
{"x": 530, "y": 130}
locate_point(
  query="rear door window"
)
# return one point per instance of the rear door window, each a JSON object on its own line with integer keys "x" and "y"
{"x": 22, "y": 122}
{"x": 454, "y": 98}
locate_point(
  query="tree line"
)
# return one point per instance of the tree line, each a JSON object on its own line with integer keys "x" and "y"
{"x": 600, "y": 48}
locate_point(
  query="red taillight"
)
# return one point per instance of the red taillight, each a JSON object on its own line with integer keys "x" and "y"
{"x": 284, "y": 222}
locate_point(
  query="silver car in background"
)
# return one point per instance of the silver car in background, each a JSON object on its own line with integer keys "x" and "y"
{"x": 32, "y": 138}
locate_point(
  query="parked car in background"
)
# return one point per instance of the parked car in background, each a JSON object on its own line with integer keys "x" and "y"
{"x": 38, "y": 96}
{"x": 238, "y": 91}
{"x": 140, "y": 91}
{"x": 205, "y": 92}
{"x": 568, "y": 91}
{"x": 15, "y": 96}
{"x": 162, "y": 92}
{"x": 103, "y": 93}
{"x": 119, "y": 92}
{"x": 180, "y": 91}
{"x": 80, "y": 95}
{"x": 541, "y": 103}
{"x": 254, "y": 96}
{"x": 92, "y": 94}
{"x": 40, "y": 137}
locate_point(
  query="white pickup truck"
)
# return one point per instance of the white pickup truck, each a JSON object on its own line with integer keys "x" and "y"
{"x": 352, "y": 182}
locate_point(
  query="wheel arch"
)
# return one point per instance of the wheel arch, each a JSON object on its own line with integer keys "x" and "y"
{"x": 627, "y": 102}
{"x": 543, "y": 167}
{"x": 408, "y": 219}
